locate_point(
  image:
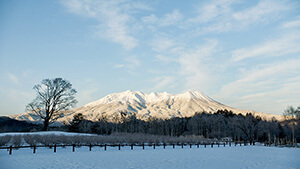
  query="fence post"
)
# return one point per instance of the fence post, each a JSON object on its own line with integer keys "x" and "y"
{"x": 212, "y": 145}
{"x": 10, "y": 150}
{"x": 119, "y": 146}
{"x": 181, "y": 145}
{"x": 90, "y": 147}
{"x": 143, "y": 146}
{"x": 154, "y": 146}
{"x": 198, "y": 145}
{"x": 240, "y": 143}
{"x": 104, "y": 147}
{"x": 230, "y": 144}
{"x": 164, "y": 145}
{"x": 224, "y": 144}
{"x": 218, "y": 144}
{"x": 173, "y": 146}
{"x": 34, "y": 147}
{"x": 73, "y": 147}
{"x": 131, "y": 146}
{"x": 190, "y": 145}
{"x": 204, "y": 145}
{"x": 54, "y": 148}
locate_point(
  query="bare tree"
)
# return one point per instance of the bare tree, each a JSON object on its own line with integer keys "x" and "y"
{"x": 293, "y": 116}
{"x": 54, "y": 96}
{"x": 291, "y": 113}
{"x": 249, "y": 126}
{"x": 17, "y": 140}
{"x": 4, "y": 140}
{"x": 30, "y": 139}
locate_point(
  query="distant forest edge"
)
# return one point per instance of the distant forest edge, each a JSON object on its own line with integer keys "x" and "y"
{"x": 219, "y": 125}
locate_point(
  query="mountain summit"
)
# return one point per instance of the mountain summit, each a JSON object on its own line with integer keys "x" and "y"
{"x": 133, "y": 97}
{"x": 158, "y": 105}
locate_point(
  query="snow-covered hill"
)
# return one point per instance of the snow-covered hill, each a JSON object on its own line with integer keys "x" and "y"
{"x": 159, "y": 105}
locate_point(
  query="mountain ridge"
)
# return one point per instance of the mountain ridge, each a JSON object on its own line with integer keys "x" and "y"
{"x": 137, "y": 96}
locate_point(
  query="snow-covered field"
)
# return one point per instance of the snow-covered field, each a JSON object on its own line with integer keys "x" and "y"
{"x": 217, "y": 157}
{"x": 46, "y": 133}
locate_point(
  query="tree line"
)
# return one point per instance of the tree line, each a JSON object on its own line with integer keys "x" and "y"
{"x": 222, "y": 124}
{"x": 35, "y": 139}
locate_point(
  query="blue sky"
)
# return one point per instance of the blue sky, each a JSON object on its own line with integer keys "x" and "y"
{"x": 245, "y": 54}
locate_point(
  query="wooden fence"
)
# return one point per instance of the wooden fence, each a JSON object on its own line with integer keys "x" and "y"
{"x": 154, "y": 145}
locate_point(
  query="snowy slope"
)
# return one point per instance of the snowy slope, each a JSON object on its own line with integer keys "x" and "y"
{"x": 159, "y": 105}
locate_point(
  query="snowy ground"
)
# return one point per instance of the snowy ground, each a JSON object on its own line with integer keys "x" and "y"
{"x": 46, "y": 133}
{"x": 218, "y": 157}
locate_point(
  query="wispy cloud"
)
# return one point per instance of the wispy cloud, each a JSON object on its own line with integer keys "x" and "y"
{"x": 270, "y": 83}
{"x": 131, "y": 62}
{"x": 162, "y": 44}
{"x": 162, "y": 83}
{"x": 194, "y": 65}
{"x": 272, "y": 101}
{"x": 292, "y": 23}
{"x": 114, "y": 16}
{"x": 168, "y": 19}
{"x": 87, "y": 95}
{"x": 14, "y": 100}
{"x": 16, "y": 94}
{"x": 284, "y": 45}
{"x": 212, "y": 11}
{"x": 151, "y": 19}
{"x": 264, "y": 74}
{"x": 171, "y": 18}
{"x": 13, "y": 78}
{"x": 165, "y": 58}
{"x": 87, "y": 90}
{"x": 265, "y": 10}
{"x": 222, "y": 16}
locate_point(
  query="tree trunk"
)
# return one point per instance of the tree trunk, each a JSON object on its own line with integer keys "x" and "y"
{"x": 293, "y": 134}
{"x": 46, "y": 124}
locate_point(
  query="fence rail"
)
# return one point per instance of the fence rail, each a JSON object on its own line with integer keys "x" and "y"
{"x": 131, "y": 145}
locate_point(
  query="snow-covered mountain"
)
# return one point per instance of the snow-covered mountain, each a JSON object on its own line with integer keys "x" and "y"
{"x": 159, "y": 105}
